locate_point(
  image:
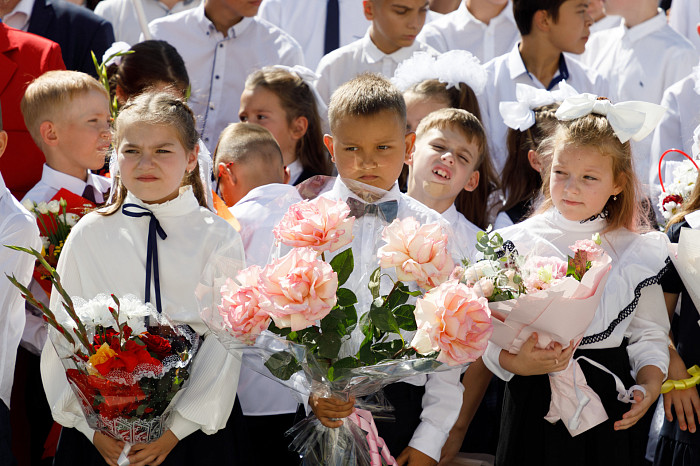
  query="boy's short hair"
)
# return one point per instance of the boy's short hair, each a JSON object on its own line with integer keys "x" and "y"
{"x": 50, "y": 94}
{"x": 364, "y": 96}
{"x": 457, "y": 119}
{"x": 524, "y": 12}
{"x": 243, "y": 142}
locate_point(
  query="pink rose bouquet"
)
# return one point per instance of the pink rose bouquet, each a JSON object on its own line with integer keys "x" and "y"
{"x": 240, "y": 306}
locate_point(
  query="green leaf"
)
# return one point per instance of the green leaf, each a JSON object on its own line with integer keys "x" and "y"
{"x": 374, "y": 281}
{"x": 398, "y": 296}
{"x": 405, "y": 317}
{"x": 283, "y": 332}
{"x": 342, "y": 367}
{"x": 343, "y": 264}
{"x": 328, "y": 345}
{"x": 388, "y": 349}
{"x": 340, "y": 320}
{"x": 383, "y": 319}
{"x": 283, "y": 365}
{"x": 309, "y": 336}
{"x": 346, "y": 298}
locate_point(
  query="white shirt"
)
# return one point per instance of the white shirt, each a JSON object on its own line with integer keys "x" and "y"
{"x": 53, "y": 181}
{"x": 218, "y": 65}
{"x": 19, "y": 17}
{"x": 295, "y": 170}
{"x": 608, "y": 22}
{"x": 106, "y": 254}
{"x": 684, "y": 18}
{"x": 504, "y": 73}
{"x": 463, "y": 233}
{"x": 17, "y": 227}
{"x": 125, "y": 21}
{"x": 361, "y": 56}
{"x": 258, "y": 213}
{"x": 443, "y": 392}
{"x": 635, "y": 258}
{"x": 460, "y": 30}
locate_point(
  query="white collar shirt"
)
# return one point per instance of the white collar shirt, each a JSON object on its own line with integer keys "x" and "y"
{"x": 125, "y": 21}
{"x": 684, "y": 18}
{"x": 608, "y": 22}
{"x": 359, "y": 57}
{"x": 295, "y": 170}
{"x": 460, "y": 30}
{"x": 20, "y": 15}
{"x": 218, "y": 64}
{"x": 442, "y": 390}
{"x": 463, "y": 232}
{"x": 505, "y": 72}
{"x": 17, "y": 227}
{"x": 53, "y": 181}
{"x": 693, "y": 219}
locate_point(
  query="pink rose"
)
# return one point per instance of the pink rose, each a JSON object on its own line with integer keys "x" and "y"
{"x": 299, "y": 289}
{"x": 543, "y": 272}
{"x": 592, "y": 250}
{"x": 418, "y": 252}
{"x": 321, "y": 224}
{"x": 453, "y": 319}
{"x": 240, "y": 307}
{"x": 484, "y": 288}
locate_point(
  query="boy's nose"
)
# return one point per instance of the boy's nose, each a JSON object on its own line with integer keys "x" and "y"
{"x": 448, "y": 158}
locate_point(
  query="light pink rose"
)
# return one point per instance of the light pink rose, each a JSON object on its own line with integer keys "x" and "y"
{"x": 593, "y": 251}
{"x": 454, "y": 320}
{"x": 418, "y": 252}
{"x": 540, "y": 273}
{"x": 240, "y": 307}
{"x": 484, "y": 288}
{"x": 299, "y": 289}
{"x": 321, "y": 224}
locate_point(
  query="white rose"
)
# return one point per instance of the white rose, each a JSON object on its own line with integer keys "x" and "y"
{"x": 42, "y": 208}
{"x": 480, "y": 270}
{"x": 72, "y": 219}
{"x": 484, "y": 287}
{"x": 53, "y": 206}
{"x": 28, "y": 204}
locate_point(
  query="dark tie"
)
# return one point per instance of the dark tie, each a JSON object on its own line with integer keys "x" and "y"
{"x": 385, "y": 210}
{"x": 332, "y": 38}
{"x": 89, "y": 194}
{"x": 151, "y": 250}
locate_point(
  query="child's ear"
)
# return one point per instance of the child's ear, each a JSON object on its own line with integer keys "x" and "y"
{"x": 47, "y": 131}
{"x": 287, "y": 176}
{"x": 299, "y": 126}
{"x": 3, "y": 141}
{"x": 534, "y": 159}
{"x": 192, "y": 158}
{"x": 410, "y": 140}
{"x": 120, "y": 95}
{"x": 473, "y": 181}
{"x": 368, "y": 7}
{"x": 541, "y": 21}
{"x": 328, "y": 141}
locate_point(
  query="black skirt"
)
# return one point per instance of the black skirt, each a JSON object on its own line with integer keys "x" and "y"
{"x": 407, "y": 401}
{"x": 229, "y": 446}
{"x": 527, "y": 438}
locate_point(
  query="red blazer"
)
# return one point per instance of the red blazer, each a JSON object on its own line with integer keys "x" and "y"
{"x": 23, "y": 57}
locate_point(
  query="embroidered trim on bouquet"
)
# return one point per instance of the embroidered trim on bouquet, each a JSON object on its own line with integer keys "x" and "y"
{"x": 653, "y": 280}
{"x": 508, "y": 248}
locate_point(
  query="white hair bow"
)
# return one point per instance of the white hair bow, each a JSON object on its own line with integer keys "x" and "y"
{"x": 520, "y": 115}
{"x": 310, "y": 78}
{"x": 630, "y": 120}
{"x": 115, "y": 52}
{"x": 451, "y": 68}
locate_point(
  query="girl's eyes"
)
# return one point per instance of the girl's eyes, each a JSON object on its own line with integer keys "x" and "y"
{"x": 351, "y": 149}
{"x": 589, "y": 177}
{"x": 243, "y": 118}
{"x": 383, "y": 147}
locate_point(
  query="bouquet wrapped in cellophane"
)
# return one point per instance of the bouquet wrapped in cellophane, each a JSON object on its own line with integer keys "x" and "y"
{"x": 297, "y": 321}
{"x": 125, "y": 362}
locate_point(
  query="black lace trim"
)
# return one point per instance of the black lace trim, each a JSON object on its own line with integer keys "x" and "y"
{"x": 598, "y": 337}
{"x": 603, "y": 214}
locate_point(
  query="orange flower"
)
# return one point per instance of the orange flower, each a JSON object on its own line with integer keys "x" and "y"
{"x": 103, "y": 354}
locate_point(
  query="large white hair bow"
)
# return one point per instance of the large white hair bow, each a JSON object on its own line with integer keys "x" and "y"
{"x": 451, "y": 68}
{"x": 113, "y": 55}
{"x": 520, "y": 115}
{"x": 630, "y": 120}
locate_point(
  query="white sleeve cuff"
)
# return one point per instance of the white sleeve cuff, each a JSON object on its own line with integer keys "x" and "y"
{"x": 427, "y": 439}
{"x": 492, "y": 360}
{"x": 181, "y": 427}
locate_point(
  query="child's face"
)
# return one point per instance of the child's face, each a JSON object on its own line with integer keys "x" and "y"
{"x": 418, "y": 107}
{"x": 82, "y": 133}
{"x": 395, "y": 23}
{"x": 153, "y": 162}
{"x": 371, "y": 149}
{"x": 581, "y": 181}
{"x": 443, "y": 164}
{"x": 571, "y": 30}
{"x": 263, "y": 107}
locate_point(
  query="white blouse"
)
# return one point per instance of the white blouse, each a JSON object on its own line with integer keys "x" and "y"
{"x": 632, "y": 305}
{"x": 107, "y": 254}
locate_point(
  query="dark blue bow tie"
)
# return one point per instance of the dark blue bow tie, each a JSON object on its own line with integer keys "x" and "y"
{"x": 386, "y": 210}
{"x": 151, "y": 251}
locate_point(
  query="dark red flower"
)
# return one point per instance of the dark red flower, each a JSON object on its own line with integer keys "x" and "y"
{"x": 158, "y": 346}
{"x": 127, "y": 359}
{"x": 672, "y": 198}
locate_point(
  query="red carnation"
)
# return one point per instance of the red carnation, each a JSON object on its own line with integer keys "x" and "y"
{"x": 672, "y": 198}
{"x": 158, "y": 346}
{"x": 127, "y": 359}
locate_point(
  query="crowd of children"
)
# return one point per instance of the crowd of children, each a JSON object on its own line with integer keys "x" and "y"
{"x": 512, "y": 114}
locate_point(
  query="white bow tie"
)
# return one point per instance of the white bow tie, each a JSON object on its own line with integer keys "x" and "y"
{"x": 630, "y": 120}
{"x": 519, "y": 115}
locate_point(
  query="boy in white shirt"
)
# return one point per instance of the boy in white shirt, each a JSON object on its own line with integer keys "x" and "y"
{"x": 222, "y": 42}
{"x": 17, "y": 227}
{"x": 370, "y": 146}
{"x": 253, "y": 183}
{"x": 390, "y": 39}
{"x": 548, "y": 29}
{"x": 684, "y": 17}
{"x": 486, "y": 28}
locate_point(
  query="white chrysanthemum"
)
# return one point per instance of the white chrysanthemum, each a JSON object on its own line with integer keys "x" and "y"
{"x": 96, "y": 312}
{"x": 72, "y": 219}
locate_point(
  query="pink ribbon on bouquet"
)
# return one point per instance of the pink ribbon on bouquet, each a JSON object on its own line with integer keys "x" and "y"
{"x": 377, "y": 446}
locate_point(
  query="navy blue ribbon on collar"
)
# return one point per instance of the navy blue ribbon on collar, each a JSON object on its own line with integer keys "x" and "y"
{"x": 152, "y": 249}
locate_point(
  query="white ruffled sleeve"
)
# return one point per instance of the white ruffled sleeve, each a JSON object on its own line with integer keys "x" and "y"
{"x": 492, "y": 360}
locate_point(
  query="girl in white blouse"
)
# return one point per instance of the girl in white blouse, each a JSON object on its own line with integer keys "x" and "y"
{"x": 108, "y": 251}
{"x": 590, "y": 188}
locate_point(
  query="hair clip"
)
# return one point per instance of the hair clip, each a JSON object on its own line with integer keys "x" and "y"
{"x": 629, "y": 120}
{"x": 450, "y": 68}
{"x": 520, "y": 115}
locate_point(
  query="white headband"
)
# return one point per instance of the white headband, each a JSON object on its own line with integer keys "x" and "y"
{"x": 113, "y": 55}
{"x": 630, "y": 120}
{"x": 451, "y": 68}
{"x": 520, "y": 115}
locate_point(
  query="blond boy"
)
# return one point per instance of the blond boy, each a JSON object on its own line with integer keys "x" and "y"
{"x": 369, "y": 146}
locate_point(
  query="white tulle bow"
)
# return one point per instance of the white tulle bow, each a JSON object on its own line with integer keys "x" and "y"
{"x": 112, "y": 54}
{"x": 451, "y": 68}
{"x": 520, "y": 115}
{"x": 630, "y": 120}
